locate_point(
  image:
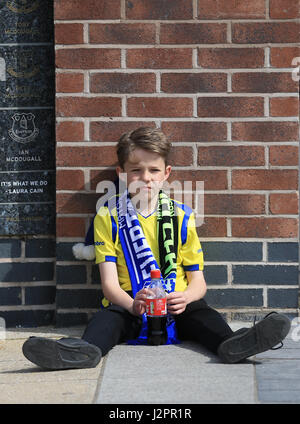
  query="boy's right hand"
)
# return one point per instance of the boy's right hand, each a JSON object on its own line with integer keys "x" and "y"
{"x": 139, "y": 302}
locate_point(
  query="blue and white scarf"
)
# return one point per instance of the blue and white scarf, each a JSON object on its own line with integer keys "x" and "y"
{"x": 139, "y": 257}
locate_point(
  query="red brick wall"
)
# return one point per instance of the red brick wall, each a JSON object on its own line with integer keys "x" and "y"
{"x": 216, "y": 76}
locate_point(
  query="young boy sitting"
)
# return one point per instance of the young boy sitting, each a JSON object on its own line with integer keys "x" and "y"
{"x": 136, "y": 231}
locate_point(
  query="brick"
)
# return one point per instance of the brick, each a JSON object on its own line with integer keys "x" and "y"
{"x": 263, "y": 82}
{"x": 212, "y": 227}
{"x": 284, "y": 203}
{"x": 193, "y": 83}
{"x": 71, "y": 274}
{"x": 265, "y": 131}
{"x": 112, "y": 131}
{"x": 69, "y": 319}
{"x": 212, "y": 179}
{"x": 283, "y": 252}
{"x": 88, "y": 106}
{"x": 231, "y": 156}
{"x": 123, "y": 83}
{"x": 26, "y": 272}
{"x": 69, "y": 33}
{"x": 10, "y": 296}
{"x": 195, "y": 131}
{"x": 281, "y": 57}
{"x": 234, "y": 204}
{"x": 84, "y": 203}
{"x": 265, "y": 274}
{"x": 64, "y": 252}
{"x": 97, "y": 176}
{"x": 264, "y": 179}
{"x": 160, "y": 107}
{"x": 69, "y": 131}
{"x": 69, "y": 180}
{"x": 159, "y": 9}
{"x": 81, "y": 298}
{"x": 231, "y": 9}
{"x": 265, "y": 32}
{"x": 215, "y": 274}
{"x": 40, "y": 248}
{"x": 94, "y": 58}
{"x": 284, "y": 106}
{"x": 232, "y": 251}
{"x": 122, "y": 33}
{"x": 86, "y": 156}
{"x": 193, "y": 33}
{"x": 230, "y": 106}
{"x": 89, "y": 9}
{"x": 283, "y": 155}
{"x": 10, "y": 248}
{"x": 43, "y": 295}
{"x": 264, "y": 227}
{"x": 227, "y": 58}
{"x": 28, "y": 318}
{"x": 282, "y": 9}
{"x": 181, "y": 156}
{"x": 70, "y": 227}
{"x": 160, "y": 58}
{"x": 234, "y": 298}
{"x": 283, "y": 298}
{"x": 69, "y": 83}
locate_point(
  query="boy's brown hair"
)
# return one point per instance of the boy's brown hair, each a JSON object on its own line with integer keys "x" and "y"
{"x": 150, "y": 139}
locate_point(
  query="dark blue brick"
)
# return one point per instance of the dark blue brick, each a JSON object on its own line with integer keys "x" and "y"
{"x": 233, "y": 298}
{"x": 73, "y": 298}
{"x": 283, "y": 252}
{"x": 71, "y": 274}
{"x": 10, "y": 248}
{"x": 265, "y": 274}
{"x": 64, "y": 251}
{"x": 28, "y": 318}
{"x": 10, "y": 296}
{"x": 42, "y": 295}
{"x": 95, "y": 275}
{"x": 232, "y": 251}
{"x": 40, "y": 248}
{"x": 66, "y": 319}
{"x": 26, "y": 272}
{"x": 215, "y": 274}
{"x": 283, "y": 298}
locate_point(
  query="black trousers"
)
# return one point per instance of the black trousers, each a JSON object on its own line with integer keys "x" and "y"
{"x": 199, "y": 323}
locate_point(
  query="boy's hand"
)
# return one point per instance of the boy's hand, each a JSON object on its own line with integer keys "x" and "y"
{"x": 139, "y": 302}
{"x": 176, "y": 302}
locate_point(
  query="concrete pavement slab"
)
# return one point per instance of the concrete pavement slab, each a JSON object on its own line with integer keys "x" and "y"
{"x": 177, "y": 374}
{"x": 21, "y": 382}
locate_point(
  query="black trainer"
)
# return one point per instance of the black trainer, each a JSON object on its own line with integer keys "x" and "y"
{"x": 60, "y": 354}
{"x": 264, "y": 335}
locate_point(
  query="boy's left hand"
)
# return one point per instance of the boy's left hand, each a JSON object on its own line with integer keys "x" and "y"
{"x": 176, "y": 302}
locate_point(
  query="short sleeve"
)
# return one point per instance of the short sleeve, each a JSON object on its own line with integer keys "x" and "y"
{"x": 104, "y": 234}
{"x": 191, "y": 251}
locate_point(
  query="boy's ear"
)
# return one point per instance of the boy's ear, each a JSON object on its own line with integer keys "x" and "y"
{"x": 119, "y": 170}
{"x": 168, "y": 171}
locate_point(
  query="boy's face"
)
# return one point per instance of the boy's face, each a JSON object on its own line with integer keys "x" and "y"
{"x": 146, "y": 172}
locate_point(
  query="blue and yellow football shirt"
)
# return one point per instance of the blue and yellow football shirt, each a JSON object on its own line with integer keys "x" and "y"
{"x": 108, "y": 246}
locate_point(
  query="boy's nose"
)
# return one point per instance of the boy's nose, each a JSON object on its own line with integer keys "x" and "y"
{"x": 146, "y": 176}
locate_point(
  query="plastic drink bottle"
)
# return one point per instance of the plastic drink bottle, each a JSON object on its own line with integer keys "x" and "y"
{"x": 156, "y": 310}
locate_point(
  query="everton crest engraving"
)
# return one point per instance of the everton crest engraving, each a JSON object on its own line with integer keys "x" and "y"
{"x": 23, "y": 129}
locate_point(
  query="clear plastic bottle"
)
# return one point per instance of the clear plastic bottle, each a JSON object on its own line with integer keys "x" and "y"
{"x": 156, "y": 310}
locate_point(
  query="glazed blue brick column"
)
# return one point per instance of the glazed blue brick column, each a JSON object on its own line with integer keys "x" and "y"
{"x": 27, "y": 288}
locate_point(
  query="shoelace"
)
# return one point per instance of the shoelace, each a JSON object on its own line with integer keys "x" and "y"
{"x": 270, "y": 313}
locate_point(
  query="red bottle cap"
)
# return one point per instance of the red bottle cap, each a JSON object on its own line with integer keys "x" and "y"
{"x": 155, "y": 273}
